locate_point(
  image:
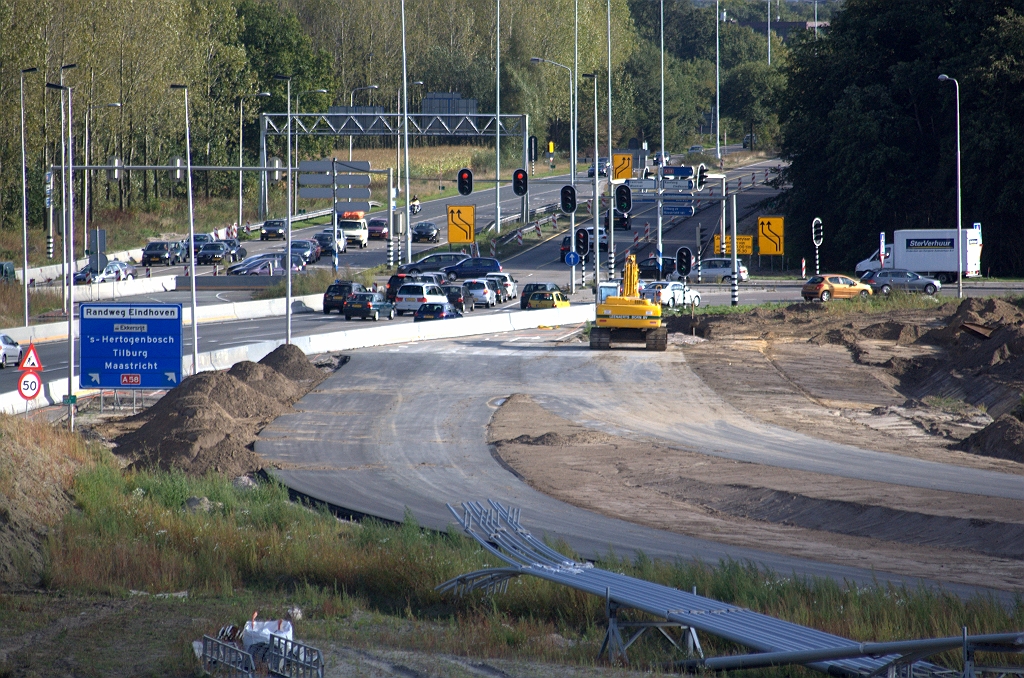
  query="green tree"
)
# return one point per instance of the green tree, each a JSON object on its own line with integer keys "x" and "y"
{"x": 750, "y": 94}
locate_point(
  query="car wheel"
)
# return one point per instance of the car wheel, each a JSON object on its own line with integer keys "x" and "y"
{"x": 414, "y": 271}
{"x": 929, "y": 289}
{"x": 885, "y": 290}
{"x": 726, "y": 279}
{"x": 129, "y": 276}
{"x": 672, "y": 302}
{"x": 825, "y": 295}
{"x": 391, "y": 315}
{"x": 348, "y": 317}
{"x": 376, "y": 316}
{"x": 864, "y": 294}
{"x": 452, "y": 276}
{"x": 327, "y": 311}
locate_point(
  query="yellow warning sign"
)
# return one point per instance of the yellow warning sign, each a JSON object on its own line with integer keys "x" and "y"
{"x": 745, "y": 242}
{"x": 461, "y": 224}
{"x": 770, "y": 239}
{"x": 622, "y": 166}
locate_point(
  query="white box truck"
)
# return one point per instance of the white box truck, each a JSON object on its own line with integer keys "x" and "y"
{"x": 930, "y": 252}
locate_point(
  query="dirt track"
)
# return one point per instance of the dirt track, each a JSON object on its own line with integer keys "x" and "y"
{"x": 838, "y": 378}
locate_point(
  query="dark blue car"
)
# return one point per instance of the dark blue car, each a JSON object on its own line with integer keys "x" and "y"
{"x": 474, "y": 267}
{"x": 435, "y": 312}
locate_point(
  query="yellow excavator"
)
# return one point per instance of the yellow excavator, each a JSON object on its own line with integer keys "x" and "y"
{"x": 628, "y": 318}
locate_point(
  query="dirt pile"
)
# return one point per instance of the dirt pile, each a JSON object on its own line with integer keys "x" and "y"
{"x": 1003, "y": 439}
{"x": 925, "y": 352}
{"x": 209, "y": 422}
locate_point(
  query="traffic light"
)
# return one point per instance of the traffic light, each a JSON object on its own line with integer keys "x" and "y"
{"x": 533, "y": 149}
{"x": 623, "y": 198}
{"x": 684, "y": 257}
{"x": 465, "y": 181}
{"x": 519, "y": 180}
{"x": 701, "y": 176}
{"x": 569, "y": 199}
{"x": 816, "y": 234}
{"x": 582, "y": 242}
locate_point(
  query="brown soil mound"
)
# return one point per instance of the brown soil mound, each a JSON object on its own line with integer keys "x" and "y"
{"x": 991, "y": 312}
{"x": 290, "y": 361}
{"x": 266, "y": 380}
{"x": 891, "y": 330}
{"x": 557, "y": 439}
{"x": 209, "y": 422}
{"x": 1003, "y": 439}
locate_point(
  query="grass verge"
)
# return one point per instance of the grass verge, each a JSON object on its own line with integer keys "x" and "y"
{"x": 12, "y": 304}
{"x": 371, "y": 585}
{"x": 316, "y": 281}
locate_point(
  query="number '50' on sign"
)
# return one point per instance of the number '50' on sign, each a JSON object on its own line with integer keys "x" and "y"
{"x": 29, "y": 385}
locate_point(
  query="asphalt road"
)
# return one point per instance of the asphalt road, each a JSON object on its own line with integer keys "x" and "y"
{"x": 404, "y": 427}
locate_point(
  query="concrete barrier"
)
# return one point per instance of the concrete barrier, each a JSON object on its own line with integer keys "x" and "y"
{"x": 380, "y": 335}
{"x": 210, "y": 313}
{"x": 43, "y": 274}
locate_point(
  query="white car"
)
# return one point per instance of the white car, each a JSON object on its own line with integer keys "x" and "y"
{"x": 483, "y": 293}
{"x": 670, "y": 293}
{"x": 510, "y": 284}
{"x": 115, "y": 271}
{"x": 412, "y": 295}
{"x": 10, "y": 352}
{"x": 717, "y": 269}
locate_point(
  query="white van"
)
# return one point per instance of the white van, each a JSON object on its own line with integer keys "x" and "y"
{"x": 353, "y": 229}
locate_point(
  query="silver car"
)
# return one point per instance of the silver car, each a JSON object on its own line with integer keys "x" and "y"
{"x": 482, "y": 290}
{"x": 886, "y": 280}
{"x": 10, "y": 352}
{"x": 717, "y": 269}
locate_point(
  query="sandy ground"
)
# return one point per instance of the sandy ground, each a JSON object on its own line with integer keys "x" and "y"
{"x": 826, "y": 388}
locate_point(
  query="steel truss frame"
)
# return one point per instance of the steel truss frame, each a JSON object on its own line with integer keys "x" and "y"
{"x": 774, "y": 642}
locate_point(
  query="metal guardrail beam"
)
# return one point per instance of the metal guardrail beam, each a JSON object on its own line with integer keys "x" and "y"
{"x": 774, "y": 641}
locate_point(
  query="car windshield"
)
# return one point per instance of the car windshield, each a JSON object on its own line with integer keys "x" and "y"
{"x": 364, "y": 297}
{"x": 431, "y": 308}
{"x": 411, "y": 289}
{"x": 349, "y": 224}
{"x": 213, "y": 247}
{"x": 157, "y": 246}
{"x": 476, "y": 286}
{"x": 338, "y": 289}
{"x": 423, "y": 227}
{"x": 541, "y": 296}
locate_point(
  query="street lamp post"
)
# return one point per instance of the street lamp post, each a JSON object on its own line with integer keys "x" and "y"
{"x": 352, "y": 103}
{"x": 497, "y": 118}
{"x": 959, "y": 218}
{"x": 86, "y": 193}
{"x": 69, "y": 257}
{"x": 70, "y": 209}
{"x": 405, "y": 131}
{"x": 662, "y": 163}
{"x": 611, "y": 164}
{"x": 769, "y": 35}
{"x": 191, "y": 233}
{"x": 718, "y": 89}
{"x": 240, "y": 147}
{"x": 24, "y": 197}
{"x": 288, "y": 224}
{"x": 596, "y": 210}
{"x": 572, "y": 153}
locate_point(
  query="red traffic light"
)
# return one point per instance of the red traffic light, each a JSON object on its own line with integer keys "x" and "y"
{"x": 465, "y": 181}
{"x": 519, "y": 182}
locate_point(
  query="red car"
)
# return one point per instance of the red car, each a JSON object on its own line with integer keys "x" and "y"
{"x": 378, "y": 228}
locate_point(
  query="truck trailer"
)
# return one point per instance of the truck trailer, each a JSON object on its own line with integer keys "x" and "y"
{"x": 930, "y": 252}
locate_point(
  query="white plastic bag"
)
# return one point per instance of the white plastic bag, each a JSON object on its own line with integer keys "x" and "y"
{"x": 259, "y": 631}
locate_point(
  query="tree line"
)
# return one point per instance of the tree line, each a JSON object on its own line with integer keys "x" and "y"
{"x": 129, "y": 52}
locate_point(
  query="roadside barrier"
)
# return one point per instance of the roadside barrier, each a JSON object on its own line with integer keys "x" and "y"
{"x": 53, "y": 392}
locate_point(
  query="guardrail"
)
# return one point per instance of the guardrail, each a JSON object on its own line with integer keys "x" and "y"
{"x": 224, "y": 659}
{"x": 53, "y": 392}
{"x": 292, "y": 659}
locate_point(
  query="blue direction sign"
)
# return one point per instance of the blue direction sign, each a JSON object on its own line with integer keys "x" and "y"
{"x": 572, "y": 258}
{"x": 677, "y": 210}
{"x": 130, "y": 345}
{"x": 683, "y": 172}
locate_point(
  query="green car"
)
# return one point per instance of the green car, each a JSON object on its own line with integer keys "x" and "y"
{"x": 368, "y": 305}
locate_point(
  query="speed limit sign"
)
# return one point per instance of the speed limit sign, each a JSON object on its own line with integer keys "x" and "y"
{"x": 29, "y": 385}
